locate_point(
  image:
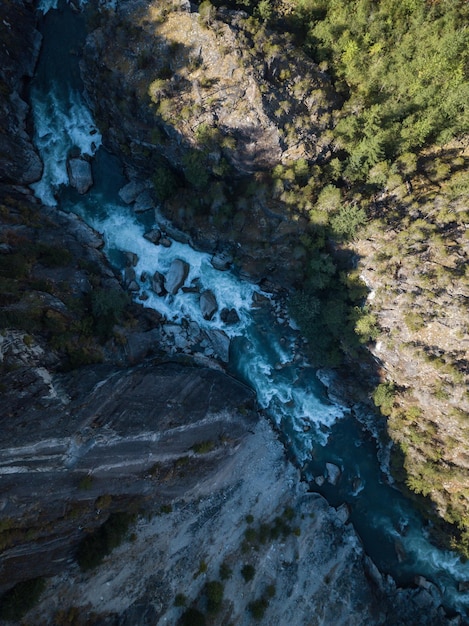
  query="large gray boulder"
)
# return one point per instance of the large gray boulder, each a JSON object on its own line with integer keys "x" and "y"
{"x": 229, "y": 316}
{"x": 129, "y": 193}
{"x": 79, "y": 174}
{"x": 176, "y": 276}
{"x": 208, "y": 304}
{"x": 144, "y": 202}
{"x": 333, "y": 473}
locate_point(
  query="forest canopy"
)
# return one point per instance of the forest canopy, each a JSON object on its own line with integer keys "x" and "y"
{"x": 403, "y": 67}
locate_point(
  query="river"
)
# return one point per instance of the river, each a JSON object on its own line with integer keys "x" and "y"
{"x": 263, "y": 350}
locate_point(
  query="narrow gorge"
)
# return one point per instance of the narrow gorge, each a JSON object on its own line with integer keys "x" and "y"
{"x": 154, "y": 377}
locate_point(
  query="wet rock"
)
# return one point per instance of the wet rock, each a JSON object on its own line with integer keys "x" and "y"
{"x": 229, "y": 316}
{"x": 132, "y": 258}
{"x": 220, "y": 343}
{"x": 157, "y": 284}
{"x": 176, "y": 276}
{"x": 79, "y": 174}
{"x": 357, "y": 484}
{"x": 131, "y": 191}
{"x": 373, "y": 573}
{"x": 144, "y": 202}
{"x": 176, "y": 234}
{"x": 133, "y": 286}
{"x": 165, "y": 242}
{"x": 154, "y": 236}
{"x": 421, "y": 581}
{"x": 208, "y": 304}
{"x": 259, "y": 299}
{"x": 129, "y": 276}
{"x": 221, "y": 261}
{"x": 333, "y": 473}
{"x": 343, "y": 512}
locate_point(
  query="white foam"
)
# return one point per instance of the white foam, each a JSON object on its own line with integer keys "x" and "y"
{"x": 61, "y": 123}
{"x": 122, "y": 232}
{"x": 48, "y": 5}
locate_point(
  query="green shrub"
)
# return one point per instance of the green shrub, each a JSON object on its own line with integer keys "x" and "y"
{"x": 53, "y": 256}
{"x": 86, "y": 482}
{"x": 164, "y": 182}
{"x": 214, "y": 591}
{"x": 247, "y": 572}
{"x": 95, "y": 547}
{"x": 192, "y": 617}
{"x": 258, "y": 607}
{"x": 107, "y": 307}
{"x": 383, "y": 397}
{"x": 180, "y": 600}
{"x": 225, "y": 571}
{"x": 203, "y": 447}
{"x": 20, "y": 599}
{"x": 196, "y": 169}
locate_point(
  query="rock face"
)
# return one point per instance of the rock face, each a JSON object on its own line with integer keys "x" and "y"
{"x": 119, "y": 432}
{"x": 250, "y": 510}
{"x": 20, "y": 163}
{"x": 423, "y": 344}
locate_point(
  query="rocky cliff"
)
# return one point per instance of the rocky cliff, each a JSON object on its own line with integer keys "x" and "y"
{"x": 19, "y": 162}
{"x": 416, "y": 269}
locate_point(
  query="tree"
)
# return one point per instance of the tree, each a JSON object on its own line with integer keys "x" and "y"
{"x": 207, "y": 12}
{"x": 383, "y": 397}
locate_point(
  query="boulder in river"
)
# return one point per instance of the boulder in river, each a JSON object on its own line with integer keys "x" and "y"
{"x": 131, "y": 257}
{"x": 79, "y": 174}
{"x": 153, "y": 236}
{"x": 144, "y": 202}
{"x": 208, "y": 304}
{"x": 333, "y": 473}
{"x": 221, "y": 261}
{"x": 131, "y": 191}
{"x": 176, "y": 276}
{"x": 157, "y": 284}
{"x": 343, "y": 512}
{"x": 229, "y": 316}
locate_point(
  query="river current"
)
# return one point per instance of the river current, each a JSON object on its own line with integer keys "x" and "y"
{"x": 263, "y": 352}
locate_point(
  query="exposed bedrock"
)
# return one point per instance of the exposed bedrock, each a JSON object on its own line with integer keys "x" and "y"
{"x": 148, "y": 434}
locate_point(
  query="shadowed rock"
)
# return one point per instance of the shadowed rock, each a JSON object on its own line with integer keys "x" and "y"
{"x": 208, "y": 304}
